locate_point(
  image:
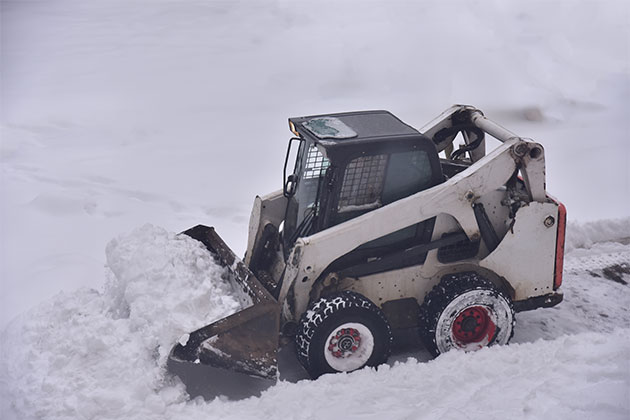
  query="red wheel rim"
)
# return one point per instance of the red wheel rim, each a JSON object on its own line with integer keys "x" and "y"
{"x": 473, "y": 325}
{"x": 345, "y": 342}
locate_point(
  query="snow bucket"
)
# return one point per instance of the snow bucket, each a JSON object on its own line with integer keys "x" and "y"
{"x": 245, "y": 342}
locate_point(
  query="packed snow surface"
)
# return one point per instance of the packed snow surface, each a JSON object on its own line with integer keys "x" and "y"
{"x": 101, "y": 354}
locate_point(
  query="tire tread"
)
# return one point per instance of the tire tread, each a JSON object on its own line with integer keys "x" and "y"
{"x": 326, "y": 307}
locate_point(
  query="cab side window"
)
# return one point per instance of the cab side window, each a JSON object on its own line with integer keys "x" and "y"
{"x": 372, "y": 181}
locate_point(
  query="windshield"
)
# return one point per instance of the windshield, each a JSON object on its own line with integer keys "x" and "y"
{"x": 310, "y": 169}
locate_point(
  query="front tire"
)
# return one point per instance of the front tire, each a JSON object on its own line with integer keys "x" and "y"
{"x": 465, "y": 311}
{"x": 341, "y": 333}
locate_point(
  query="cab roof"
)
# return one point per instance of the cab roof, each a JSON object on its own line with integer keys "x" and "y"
{"x": 351, "y": 128}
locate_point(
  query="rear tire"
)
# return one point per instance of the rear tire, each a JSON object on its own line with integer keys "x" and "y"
{"x": 341, "y": 333}
{"x": 465, "y": 311}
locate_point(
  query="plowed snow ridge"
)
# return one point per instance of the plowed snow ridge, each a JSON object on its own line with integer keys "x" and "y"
{"x": 101, "y": 354}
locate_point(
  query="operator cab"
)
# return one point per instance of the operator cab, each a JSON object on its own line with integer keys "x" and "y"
{"x": 351, "y": 163}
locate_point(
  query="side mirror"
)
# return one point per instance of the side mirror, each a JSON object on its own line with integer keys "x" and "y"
{"x": 289, "y": 186}
{"x": 290, "y": 182}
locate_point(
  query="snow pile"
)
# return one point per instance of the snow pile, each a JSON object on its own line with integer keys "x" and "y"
{"x": 91, "y": 354}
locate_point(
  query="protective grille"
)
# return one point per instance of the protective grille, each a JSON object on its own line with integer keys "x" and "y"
{"x": 362, "y": 183}
{"x": 316, "y": 163}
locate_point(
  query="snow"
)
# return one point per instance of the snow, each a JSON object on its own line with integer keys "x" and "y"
{"x": 329, "y": 128}
{"x": 570, "y": 377}
{"x": 91, "y": 354}
{"x": 183, "y": 340}
{"x": 118, "y": 113}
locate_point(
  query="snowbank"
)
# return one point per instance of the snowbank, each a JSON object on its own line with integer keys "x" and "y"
{"x": 90, "y": 354}
{"x": 585, "y": 235}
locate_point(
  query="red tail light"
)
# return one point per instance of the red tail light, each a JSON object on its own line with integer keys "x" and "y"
{"x": 562, "y": 227}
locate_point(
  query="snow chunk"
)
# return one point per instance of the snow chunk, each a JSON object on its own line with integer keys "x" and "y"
{"x": 329, "y": 128}
{"x": 183, "y": 340}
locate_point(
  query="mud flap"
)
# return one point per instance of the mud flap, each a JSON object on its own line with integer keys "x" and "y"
{"x": 245, "y": 342}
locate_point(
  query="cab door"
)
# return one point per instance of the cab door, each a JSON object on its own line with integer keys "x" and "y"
{"x": 370, "y": 181}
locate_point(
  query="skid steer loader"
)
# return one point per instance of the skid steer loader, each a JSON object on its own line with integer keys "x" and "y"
{"x": 375, "y": 236}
